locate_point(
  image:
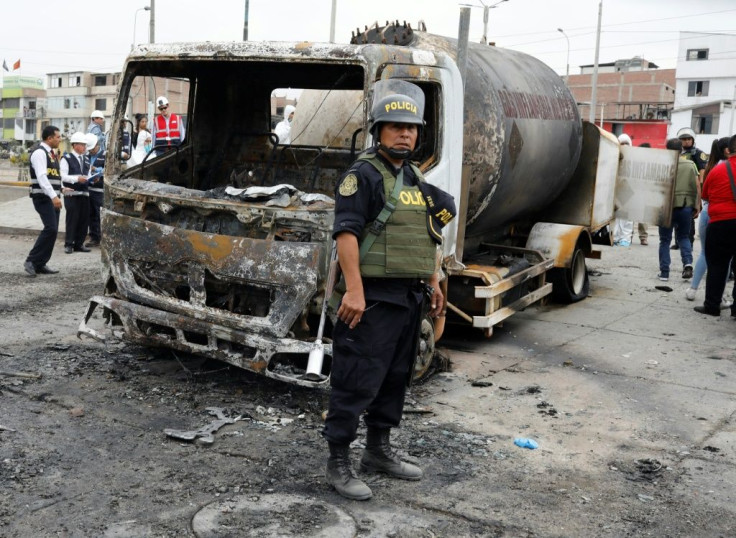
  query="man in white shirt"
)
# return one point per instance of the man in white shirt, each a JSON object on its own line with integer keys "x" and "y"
{"x": 45, "y": 193}
{"x": 74, "y": 172}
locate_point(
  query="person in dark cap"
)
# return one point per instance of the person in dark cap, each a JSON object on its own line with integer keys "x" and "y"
{"x": 388, "y": 224}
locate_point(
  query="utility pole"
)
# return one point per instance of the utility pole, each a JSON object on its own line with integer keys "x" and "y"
{"x": 567, "y": 69}
{"x": 462, "y": 42}
{"x": 151, "y": 39}
{"x": 594, "y": 95}
{"x": 484, "y": 39}
{"x": 733, "y": 112}
{"x": 332, "y": 21}
{"x": 152, "y": 23}
{"x": 245, "y": 22}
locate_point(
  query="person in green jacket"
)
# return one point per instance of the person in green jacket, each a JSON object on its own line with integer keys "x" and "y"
{"x": 684, "y": 209}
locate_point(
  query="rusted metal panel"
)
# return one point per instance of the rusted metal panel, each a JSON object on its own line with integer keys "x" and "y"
{"x": 646, "y": 185}
{"x": 146, "y": 260}
{"x": 557, "y": 241}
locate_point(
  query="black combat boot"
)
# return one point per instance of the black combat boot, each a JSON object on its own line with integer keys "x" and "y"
{"x": 378, "y": 456}
{"x": 340, "y": 475}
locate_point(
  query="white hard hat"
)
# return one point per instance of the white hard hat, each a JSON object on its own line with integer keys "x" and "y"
{"x": 624, "y": 139}
{"x": 161, "y": 101}
{"x": 91, "y": 141}
{"x": 79, "y": 138}
{"x": 686, "y": 132}
{"x": 97, "y": 114}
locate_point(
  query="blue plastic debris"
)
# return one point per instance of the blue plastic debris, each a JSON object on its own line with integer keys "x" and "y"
{"x": 523, "y": 442}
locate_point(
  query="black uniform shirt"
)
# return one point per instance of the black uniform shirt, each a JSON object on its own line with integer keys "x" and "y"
{"x": 355, "y": 211}
{"x": 698, "y": 157}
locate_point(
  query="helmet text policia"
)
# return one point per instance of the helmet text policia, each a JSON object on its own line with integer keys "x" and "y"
{"x": 395, "y": 108}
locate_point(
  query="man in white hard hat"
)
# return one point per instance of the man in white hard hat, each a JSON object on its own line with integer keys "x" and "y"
{"x": 96, "y": 189}
{"x": 97, "y": 127}
{"x": 168, "y": 130}
{"x": 74, "y": 171}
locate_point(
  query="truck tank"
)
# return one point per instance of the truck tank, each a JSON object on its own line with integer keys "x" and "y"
{"x": 523, "y": 132}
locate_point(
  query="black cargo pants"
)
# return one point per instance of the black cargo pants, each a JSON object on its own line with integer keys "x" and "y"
{"x": 370, "y": 368}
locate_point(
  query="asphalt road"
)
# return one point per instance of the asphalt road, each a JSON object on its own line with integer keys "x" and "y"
{"x": 629, "y": 394}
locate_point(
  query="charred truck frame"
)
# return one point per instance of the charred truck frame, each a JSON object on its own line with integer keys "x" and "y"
{"x": 220, "y": 246}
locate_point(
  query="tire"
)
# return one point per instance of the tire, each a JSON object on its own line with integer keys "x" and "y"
{"x": 425, "y": 357}
{"x": 570, "y": 285}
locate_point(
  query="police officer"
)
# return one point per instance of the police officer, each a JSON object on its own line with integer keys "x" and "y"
{"x": 96, "y": 189}
{"x": 46, "y": 196}
{"x": 690, "y": 152}
{"x": 74, "y": 169}
{"x": 387, "y": 230}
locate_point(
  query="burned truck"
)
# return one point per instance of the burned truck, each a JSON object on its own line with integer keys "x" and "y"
{"x": 220, "y": 246}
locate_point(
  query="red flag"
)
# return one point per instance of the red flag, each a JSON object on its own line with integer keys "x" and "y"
{"x": 16, "y": 65}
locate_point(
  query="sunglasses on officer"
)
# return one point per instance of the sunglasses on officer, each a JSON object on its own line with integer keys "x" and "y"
{"x": 163, "y": 107}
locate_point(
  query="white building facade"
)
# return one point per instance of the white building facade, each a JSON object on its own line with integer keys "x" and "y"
{"x": 705, "y": 87}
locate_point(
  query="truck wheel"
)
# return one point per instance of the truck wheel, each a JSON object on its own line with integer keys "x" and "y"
{"x": 425, "y": 357}
{"x": 570, "y": 285}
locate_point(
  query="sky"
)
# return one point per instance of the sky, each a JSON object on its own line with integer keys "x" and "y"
{"x": 55, "y": 37}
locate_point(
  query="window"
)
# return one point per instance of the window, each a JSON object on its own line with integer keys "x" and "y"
{"x": 11, "y": 102}
{"x": 705, "y": 119}
{"x": 100, "y": 104}
{"x": 9, "y": 123}
{"x": 100, "y": 80}
{"x": 697, "y": 54}
{"x": 697, "y": 88}
{"x": 55, "y": 82}
{"x": 75, "y": 79}
{"x": 67, "y": 103}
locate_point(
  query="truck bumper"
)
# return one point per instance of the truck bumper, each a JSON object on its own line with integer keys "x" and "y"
{"x": 152, "y": 327}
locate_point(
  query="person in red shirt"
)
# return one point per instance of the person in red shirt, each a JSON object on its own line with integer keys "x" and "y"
{"x": 719, "y": 190}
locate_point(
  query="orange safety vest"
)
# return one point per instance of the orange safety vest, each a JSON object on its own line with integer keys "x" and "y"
{"x": 168, "y": 133}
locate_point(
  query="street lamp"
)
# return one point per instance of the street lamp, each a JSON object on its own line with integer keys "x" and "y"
{"x": 135, "y": 21}
{"x": 567, "y": 70}
{"x": 484, "y": 39}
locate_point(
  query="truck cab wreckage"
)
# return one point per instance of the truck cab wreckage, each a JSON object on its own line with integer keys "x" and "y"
{"x": 220, "y": 246}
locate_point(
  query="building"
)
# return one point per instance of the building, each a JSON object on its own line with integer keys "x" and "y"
{"x": 619, "y": 66}
{"x": 706, "y": 87}
{"x": 23, "y": 100}
{"x": 634, "y": 97}
{"x": 72, "y": 96}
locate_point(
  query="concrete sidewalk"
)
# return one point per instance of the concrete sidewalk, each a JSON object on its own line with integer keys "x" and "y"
{"x": 17, "y": 215}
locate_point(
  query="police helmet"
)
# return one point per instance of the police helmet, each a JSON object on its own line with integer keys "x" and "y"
{"x": 624, "y": 139}
{"x": 686, "y": 132}
{"x": 396, "y": 108}
{"x": 79, "y": 138}
{"x": 161, "y": 101}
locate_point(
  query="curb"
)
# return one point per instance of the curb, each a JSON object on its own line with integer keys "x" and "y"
{"x": 30, "y": 232}
{"x": 15, "y": 183}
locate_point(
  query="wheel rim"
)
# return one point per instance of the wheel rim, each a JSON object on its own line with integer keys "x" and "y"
{"x": 577, "y": 272}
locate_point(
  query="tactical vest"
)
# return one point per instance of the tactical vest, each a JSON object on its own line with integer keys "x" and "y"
{"x": 168, "y": 133}
{"x": 53, "y": 173}
{"x": 686, "y": 194}
{"x": 80, "y": 189}
{"x": 97, "y": 160}
{"x": 403, "y": 249}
